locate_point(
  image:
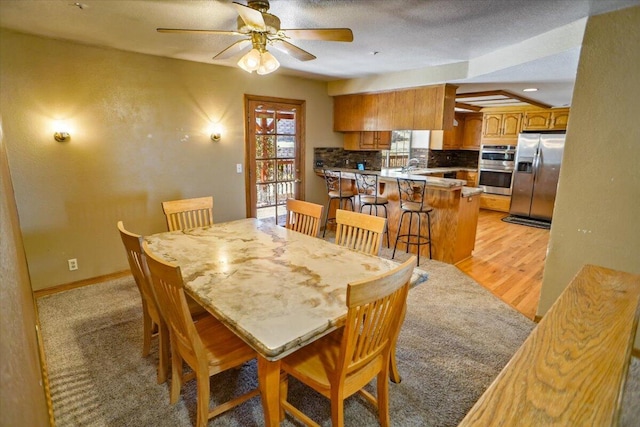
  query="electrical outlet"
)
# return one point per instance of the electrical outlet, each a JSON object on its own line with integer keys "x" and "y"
{"x": 73, "y": 264}
{"x": 238, "y": 167}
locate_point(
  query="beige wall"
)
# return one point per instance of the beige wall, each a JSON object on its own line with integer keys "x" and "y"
{"x": 22, "y": 396}
{"x": 139, "y": 136}
{"x": 597, "y": 211}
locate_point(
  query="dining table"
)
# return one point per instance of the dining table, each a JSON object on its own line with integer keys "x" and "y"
{"x": 275, "y": 288}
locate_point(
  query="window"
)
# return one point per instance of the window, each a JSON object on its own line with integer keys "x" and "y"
{"x": 399, "y": 153}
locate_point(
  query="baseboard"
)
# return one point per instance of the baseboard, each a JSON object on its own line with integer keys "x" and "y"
{"x": 635, "y": 353}
{"x": 68, "y": 286}
{"x": 537, "y": 318}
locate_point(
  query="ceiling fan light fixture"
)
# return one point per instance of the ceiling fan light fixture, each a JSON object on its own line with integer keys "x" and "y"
{"x": 251, "y": 61}
{"x": 268, "y": 63}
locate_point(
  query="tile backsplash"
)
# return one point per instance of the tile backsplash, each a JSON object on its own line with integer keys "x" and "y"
{"x": 451, "y": 158}
{"x": 333, "y": 157}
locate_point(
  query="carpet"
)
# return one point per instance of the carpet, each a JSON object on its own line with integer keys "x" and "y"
{"x": 530, "y": 222}
{"x": 455, "y": 340}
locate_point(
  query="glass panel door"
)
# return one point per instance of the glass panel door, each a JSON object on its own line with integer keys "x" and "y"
{"x": 275, "y": 158}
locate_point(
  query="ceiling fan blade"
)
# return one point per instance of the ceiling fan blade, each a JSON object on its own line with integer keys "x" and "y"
{"x": 293, "y": 50}
{"x": 234, "y": 49}
{"x": 328, "y": 34}
{"x": 253, "y": 18}
{"x": 184, "y": 30}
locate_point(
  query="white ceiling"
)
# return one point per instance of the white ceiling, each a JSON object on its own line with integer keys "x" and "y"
{"x": 477, "y": 44}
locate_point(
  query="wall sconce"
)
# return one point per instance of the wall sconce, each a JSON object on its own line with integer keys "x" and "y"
{"x": 61, "y": 133}
{"x": 216, "y": 133}
{"x": 62, "y": 136}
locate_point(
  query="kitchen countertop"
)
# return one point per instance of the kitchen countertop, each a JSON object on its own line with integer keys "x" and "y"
{"x": 471, "y": 191}
{"x": 421, "y": 174}
{"x": 427, "y": 171}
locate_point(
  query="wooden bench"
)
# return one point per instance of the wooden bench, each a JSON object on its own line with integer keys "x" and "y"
{"x": 571, "y": 370}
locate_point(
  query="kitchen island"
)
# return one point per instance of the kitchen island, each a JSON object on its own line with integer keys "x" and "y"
{"x": 454, "y": 218}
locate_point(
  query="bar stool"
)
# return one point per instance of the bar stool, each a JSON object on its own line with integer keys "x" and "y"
{"x": 335, "y": 191}
{"x": 368, "y": 194}
{"x": 412, "y": 195}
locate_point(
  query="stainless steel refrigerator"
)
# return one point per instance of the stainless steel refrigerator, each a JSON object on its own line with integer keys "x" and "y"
{"x": 535, "y": 176}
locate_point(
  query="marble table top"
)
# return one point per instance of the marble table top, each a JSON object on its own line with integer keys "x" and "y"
{"x": 275, "y": 288}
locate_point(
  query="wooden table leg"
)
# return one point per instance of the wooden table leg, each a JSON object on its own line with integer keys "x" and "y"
{"x": 269, "y": 383}
{"x": 394, "y": 374}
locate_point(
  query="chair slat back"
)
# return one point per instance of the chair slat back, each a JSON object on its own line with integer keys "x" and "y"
{"x": 359, "y": 231}
{"x": 138, "y": 266}
{"x": 304, "y": 217}
{"x": 168, "y": 286}
{"x": 188, "y": 213}
{"x": 374, "y": 316}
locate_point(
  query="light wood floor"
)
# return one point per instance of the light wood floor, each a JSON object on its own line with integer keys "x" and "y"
{"x": 508, "y": 260}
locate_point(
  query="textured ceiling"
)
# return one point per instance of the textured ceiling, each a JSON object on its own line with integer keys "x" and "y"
{"x": 497, "y": 44}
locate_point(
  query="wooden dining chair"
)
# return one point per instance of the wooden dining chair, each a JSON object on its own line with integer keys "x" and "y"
{"x": 152, "y": 320}
{"x": 341, "y": 363}
{"x": 359, "y": 231}
{"x": 188, "y": 213}
{"x": 207, "y": 345}
{"x": 304, "y": 217}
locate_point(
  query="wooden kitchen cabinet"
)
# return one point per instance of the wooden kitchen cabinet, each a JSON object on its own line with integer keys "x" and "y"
{"x": 553, "y": 119}
{"x": 363, "y": 112}
{"x": 559, "y": 119}
{"x": 453, "y": 138}
{"x": 495, "y": 202}
{"x": 367, "y": 141}
{"x": 423, "y": 108}
{"x": 501, "y": 128}
{"x": 377, "y": 111}
{"x": 465, "y": 135}
{"x": 470, "y": 177}
{"x": 434, "y": 107}
{"x": 472, "y": 131}
{"x": 536, "y": 120}
{"x": 348, "y": 113}
{"x": 402, "y": 115}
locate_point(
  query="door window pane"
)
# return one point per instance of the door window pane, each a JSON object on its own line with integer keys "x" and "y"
{"x": 265, "y": 148}
{"x": 286, "y": 146}
{"x": 265, "y": 171}
{"x": 265, "y": 122}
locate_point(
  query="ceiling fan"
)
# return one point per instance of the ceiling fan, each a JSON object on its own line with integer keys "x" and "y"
{"x": 262, "y": 29}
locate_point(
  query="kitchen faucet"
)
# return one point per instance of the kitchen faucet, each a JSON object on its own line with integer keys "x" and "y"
{"x": 411, "y": 164}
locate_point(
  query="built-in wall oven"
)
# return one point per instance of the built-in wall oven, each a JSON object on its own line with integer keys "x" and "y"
{"x": 496, "y": 165}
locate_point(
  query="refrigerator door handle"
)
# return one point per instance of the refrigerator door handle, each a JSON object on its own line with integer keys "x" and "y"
{"x": 536, "y": 165}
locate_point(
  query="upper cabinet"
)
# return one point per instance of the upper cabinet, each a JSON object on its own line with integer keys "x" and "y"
{"x": 472, "y": 133}
{"x": 448, "y": 139}
{"x": 465, "y": 135}
{"x": 367, "y": 141}
{"x": 501, "y": 127}
{"x": 424, "y": 108}
{"x": 554, "y": 119}
{"x": 351, "y": 117}
{"x": 363, "y": 112}
{"x": 433, "y": 107}
{"x": 403, "y": 103}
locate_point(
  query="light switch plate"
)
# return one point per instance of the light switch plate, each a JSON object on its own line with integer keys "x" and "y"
{"x": 238, "y": 167}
